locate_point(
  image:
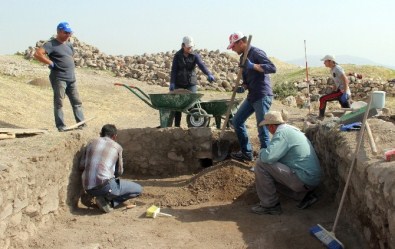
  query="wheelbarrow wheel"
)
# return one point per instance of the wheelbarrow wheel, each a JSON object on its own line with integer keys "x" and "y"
{"x": 195, "y": 118}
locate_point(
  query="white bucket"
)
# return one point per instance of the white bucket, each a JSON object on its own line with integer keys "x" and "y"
{"x": 378, "y": 99}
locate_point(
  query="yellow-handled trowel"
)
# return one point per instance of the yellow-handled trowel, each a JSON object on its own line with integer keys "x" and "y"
{"x": 154, "y": 211}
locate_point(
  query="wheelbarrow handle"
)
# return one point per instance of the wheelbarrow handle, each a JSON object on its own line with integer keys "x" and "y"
{"x": 120, "y": 84}
{"x": 142, "y": 95}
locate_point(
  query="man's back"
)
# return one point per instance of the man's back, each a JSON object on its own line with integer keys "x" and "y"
{"x": 99, "y": 161}
{"x": 291, "y": 147}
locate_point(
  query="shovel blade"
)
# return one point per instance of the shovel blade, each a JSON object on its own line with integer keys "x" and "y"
{"x": 220, "y": 150}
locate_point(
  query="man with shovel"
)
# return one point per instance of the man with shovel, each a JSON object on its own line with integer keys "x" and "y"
{"x": 288, "y": 165}
{"x": 256, "y": 80}
{"x": 102, "y": 164}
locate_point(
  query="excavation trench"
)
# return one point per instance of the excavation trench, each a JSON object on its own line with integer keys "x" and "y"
{"x": 47, "y": 183}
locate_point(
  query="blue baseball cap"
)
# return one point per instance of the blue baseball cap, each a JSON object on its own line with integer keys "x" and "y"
{"x": 65, "y": 26}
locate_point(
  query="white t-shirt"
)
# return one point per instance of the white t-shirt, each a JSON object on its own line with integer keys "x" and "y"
{"x": 336, "y": 74}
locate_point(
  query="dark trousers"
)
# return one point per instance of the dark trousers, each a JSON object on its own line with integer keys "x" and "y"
{"x": 177, "y": 115}
{"x": 332, "y": 97}
{"x": 60, "y": 89}
{"x": 117, "y": 191}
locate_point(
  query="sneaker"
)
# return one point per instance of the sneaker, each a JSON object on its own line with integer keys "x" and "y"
{"x": 259, "y": 209}
{"x": 241, "y": 156}
{"x": 61, "y": 128}
{"x": 103, "y": 204}
{"x": 308, "y": 200}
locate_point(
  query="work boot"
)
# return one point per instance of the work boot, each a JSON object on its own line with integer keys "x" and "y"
{"x": 241, "y": 156}
{"x": 308, "y": 200}
{"x": 259, "y": 209}
{"x": 103, "y": 204}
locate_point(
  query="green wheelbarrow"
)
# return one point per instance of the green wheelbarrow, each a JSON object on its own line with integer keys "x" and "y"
{"x": 216, "y": 108}
{"x": 167, "y": 104}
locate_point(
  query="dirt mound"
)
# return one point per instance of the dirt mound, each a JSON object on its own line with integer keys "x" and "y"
{"x": 40, "y": 82}
{"x": 225, "y": 182}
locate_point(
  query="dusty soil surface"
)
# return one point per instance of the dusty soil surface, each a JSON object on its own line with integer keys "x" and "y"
{"x": 210, "y": 209}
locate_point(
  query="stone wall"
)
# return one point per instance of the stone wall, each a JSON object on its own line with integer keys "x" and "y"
{"x": 360, "y": 88}
{"x": 165, "y": 152}
{"x": 370, "y": 202}
{"x": 34, "y": 189}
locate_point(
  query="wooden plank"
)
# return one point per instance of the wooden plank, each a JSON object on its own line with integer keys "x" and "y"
{"x": 7, "y": 136}
{"x": 71, "y": 127}
{"x": 22, "y": 131}
{"x": 371, "y": 139}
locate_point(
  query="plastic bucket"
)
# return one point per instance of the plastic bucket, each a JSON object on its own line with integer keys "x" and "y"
{"x": 378, "y": 99}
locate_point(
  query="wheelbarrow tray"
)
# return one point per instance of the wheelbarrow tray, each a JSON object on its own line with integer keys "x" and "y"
{"x": 175, "y": 102}
{"x": 218, "y": 107}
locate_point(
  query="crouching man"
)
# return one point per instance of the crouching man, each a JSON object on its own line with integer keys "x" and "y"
{"x": 288, "y": 165}
{"x": 102, "y": 164}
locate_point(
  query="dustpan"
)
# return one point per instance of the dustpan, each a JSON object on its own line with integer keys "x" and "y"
{"x": 154, "y": 211}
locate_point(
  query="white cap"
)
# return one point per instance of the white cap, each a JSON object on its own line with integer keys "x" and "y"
{"x": 233, "y": 38}
{"x": 188, "y": 41}
{"x": 329, "y": 57}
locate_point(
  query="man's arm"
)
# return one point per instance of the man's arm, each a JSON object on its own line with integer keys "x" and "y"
{"x": 346, "y": 82}
{"x": 263, "y": 64}
{"x": 119, "y": 165}
{"x": 82, "y": 160}
{"x": 277, "y": 148}
{"x": 201, "y": 65}
{"x": 41, "y": 55}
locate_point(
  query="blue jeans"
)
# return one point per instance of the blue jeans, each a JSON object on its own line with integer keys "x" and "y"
{"x": 117, "y": 191}
{"x": 60, "y": 89}
{"x": 246, "y": 109}
{"x": 177, "y": 115}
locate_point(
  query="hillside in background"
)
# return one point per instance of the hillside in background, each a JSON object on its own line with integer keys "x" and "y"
{"x": 315, "y": 61}
{"x": 299, "y": 73}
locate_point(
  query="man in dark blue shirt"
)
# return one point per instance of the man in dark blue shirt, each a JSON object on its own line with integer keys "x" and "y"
{"x": 256, "y": 80}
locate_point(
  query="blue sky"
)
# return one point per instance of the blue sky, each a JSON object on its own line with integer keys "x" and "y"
{"x": 360, "y": 28}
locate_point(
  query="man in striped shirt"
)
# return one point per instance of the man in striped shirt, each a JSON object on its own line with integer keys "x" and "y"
{"x": 102, "y": 164}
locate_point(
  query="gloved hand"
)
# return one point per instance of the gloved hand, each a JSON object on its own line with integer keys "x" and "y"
{"x": 351, "y": 127}
{"x": 248, "y": 64}
{"x": 344, "y": 97}
{"x": 210, "y": 78}
{"x": 240, "y": 89}
{"x": 172, "y": 87}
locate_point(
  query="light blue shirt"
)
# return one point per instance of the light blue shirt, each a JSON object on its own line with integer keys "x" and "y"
{"x": 291, "y": 147}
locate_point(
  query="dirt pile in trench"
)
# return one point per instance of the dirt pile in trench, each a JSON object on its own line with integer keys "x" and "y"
{"x": 225, "y": 182}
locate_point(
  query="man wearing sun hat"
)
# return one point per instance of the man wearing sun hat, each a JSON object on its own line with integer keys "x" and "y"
{"x": 256, "y": 80}
{"x": 58, "y": 53}
{"x": 288, "y": 165}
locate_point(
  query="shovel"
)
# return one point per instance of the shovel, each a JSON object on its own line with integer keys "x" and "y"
{"x": 221, "y": 148}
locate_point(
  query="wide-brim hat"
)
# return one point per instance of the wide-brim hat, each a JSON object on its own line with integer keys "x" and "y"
{"x": 272, "y": 117}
